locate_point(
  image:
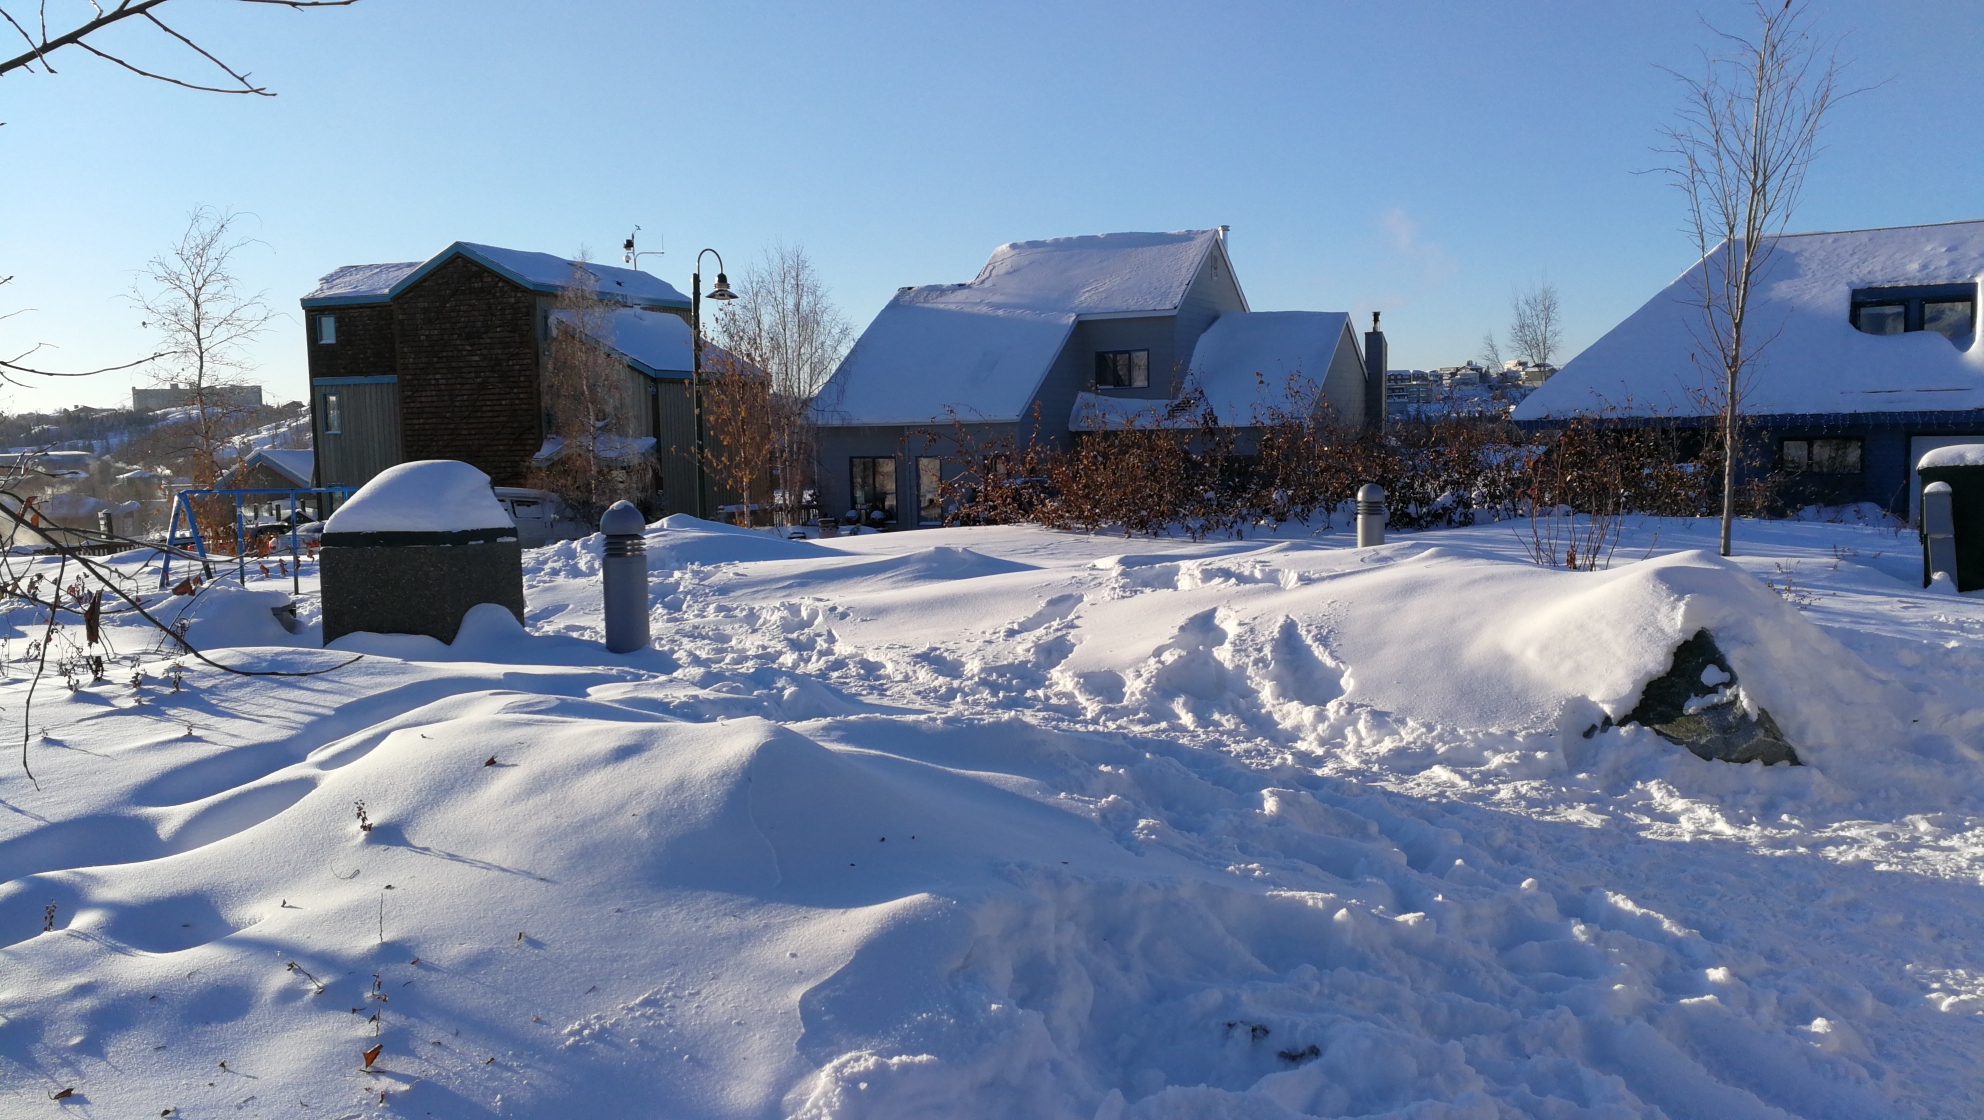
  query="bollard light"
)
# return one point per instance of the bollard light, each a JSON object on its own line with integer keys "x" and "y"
{"x": 624, "y": 578}
{"x": 1370, "y": 515}
{"x": 1938, "y": 533}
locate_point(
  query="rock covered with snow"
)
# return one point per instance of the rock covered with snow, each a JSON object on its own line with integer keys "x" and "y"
{"x": 425, "y": 496}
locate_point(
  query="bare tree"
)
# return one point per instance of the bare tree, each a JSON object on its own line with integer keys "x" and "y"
{"x": 1491, "y": 354}
{"x": 1535, "y": 323}
{"x": 41, "y": 43}
{"x": 590, "y": 461}
{"x": 1746, "y": 134}
{"x": 11, "y": 369}
{"x": 193, "y": 300}
{"x": 738, "y": 409}
{"x": 785, "y": 331}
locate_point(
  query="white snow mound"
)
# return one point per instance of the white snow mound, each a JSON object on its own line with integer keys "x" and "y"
{"x": 428, "y": 495}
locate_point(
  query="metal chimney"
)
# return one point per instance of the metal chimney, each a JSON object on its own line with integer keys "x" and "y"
{"x": 1377, "y": 358}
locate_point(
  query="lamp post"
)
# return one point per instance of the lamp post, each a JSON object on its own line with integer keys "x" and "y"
{"x": 721, "y": 290}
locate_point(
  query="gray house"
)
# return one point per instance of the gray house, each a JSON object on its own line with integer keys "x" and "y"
{"x": 1059, "y": 339}
{"x": 1870, "y": 360}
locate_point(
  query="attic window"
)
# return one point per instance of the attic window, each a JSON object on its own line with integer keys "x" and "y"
{"x": 1122, "y": 369}
{"x": 327, "y": 329}
{"x": 1949, "y": 310}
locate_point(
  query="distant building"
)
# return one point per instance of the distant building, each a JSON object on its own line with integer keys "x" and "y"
{"x": 446, "y": 358}
{"x": 1067, "y": 339}
{"x": 1406, "y": 389}
{"x": 181, "y": 396}
{"x": 273, "y": 469}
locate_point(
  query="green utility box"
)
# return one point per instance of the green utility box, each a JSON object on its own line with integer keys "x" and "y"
{"x": 1962, "y": 466}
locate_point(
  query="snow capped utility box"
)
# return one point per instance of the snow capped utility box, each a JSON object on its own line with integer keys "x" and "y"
{"x": 1962, "y": 466}
{"x": 415, "y": 548}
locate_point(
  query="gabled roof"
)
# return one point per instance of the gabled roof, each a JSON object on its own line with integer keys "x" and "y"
{"x": 539, "y": 272}
{"x": 1247, "y": 363}
{"x": 294, "y": 464}
{"x": 1100, "y": 275}
{"x": 1813, "y": 361}
{"x": 657, "y": 343}
{"x": 981, "y": 349}
{"x": 359, "y": 283}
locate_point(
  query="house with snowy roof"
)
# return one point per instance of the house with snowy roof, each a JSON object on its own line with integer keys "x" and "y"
{"x": 445, "y": 359}
{"x": 1069, "y": 338}
{"x": 1869, "y": 361}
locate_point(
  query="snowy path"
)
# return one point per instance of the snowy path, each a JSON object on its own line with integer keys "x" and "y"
{"x": 1002, "y": 822}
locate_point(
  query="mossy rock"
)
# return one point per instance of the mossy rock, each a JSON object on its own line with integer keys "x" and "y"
{"x": 1695, "y": 705}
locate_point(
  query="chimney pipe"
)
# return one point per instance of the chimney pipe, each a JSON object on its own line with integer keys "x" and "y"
{"x": 1377, "y": 357}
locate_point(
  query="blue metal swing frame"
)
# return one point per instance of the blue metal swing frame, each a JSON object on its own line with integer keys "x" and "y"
{"x": 182, "y": 506}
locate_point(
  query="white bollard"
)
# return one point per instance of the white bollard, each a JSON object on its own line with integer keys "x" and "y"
{"x": 1938, "y": 533}
{"x": 1370, "y": 515}
{"x": 623, "y": 575}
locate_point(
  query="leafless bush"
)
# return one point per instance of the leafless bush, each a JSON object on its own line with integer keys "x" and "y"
{"x": 591, "y": 462}
{"x": 1178, "y": 471}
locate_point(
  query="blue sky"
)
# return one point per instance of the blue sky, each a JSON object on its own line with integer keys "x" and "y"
{"x": 1420, "y": 158}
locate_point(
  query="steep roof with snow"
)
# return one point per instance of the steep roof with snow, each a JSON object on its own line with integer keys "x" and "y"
{"x": 1246, "y": 363}
{"x": 1814, "y": 361}
{"x": 1247, "y": 360}
{"x": 540, "y": 272}
{"x": 359, "y": 283}
{"x": 655, "y": 342}
{"x": 293, "y": 463}
{"x": 981, "y": 349}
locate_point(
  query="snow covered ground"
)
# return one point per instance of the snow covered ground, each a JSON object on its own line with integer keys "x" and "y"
{"x": 1013, "y": 823}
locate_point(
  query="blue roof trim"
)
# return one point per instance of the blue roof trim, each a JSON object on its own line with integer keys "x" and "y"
{"x": 658, "y": 374}
{"x": 347, "y": 301}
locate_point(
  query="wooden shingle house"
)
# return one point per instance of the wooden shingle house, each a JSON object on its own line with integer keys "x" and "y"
{"x": 445, "y": 359}
{"x": 1869, "y": 360}
{"x": 1062, "y": 338}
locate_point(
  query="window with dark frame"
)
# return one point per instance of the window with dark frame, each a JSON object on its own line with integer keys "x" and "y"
{"x": 1949, "y": 310}
{"x": 929, "y": 490}
{"x": 1821, "y": 456}
{"x": 1122, "y": 369}
{"x": 333, "y": 415}
{"x": 327, "y": 330}
{"x": 872, "y": 486}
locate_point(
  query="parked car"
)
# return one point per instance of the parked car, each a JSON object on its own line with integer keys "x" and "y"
{"x": 541, "y": 516}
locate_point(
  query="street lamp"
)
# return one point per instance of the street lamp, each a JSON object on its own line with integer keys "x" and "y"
{"x": 720, "y": 291}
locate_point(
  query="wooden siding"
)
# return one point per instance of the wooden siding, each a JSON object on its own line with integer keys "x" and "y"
{"x": 467, "y": 348}
{"x": 1343, "y": 386}
{"x": 1155, "y": 333}
{"x": 675, "y": 446}
{"x": 1212, "y": 293}
{"x": 364, "y": 347}
{"x": 370, "y": 439}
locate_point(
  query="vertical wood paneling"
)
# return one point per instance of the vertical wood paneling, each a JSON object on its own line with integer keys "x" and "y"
{"x": 370, "y": 440}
